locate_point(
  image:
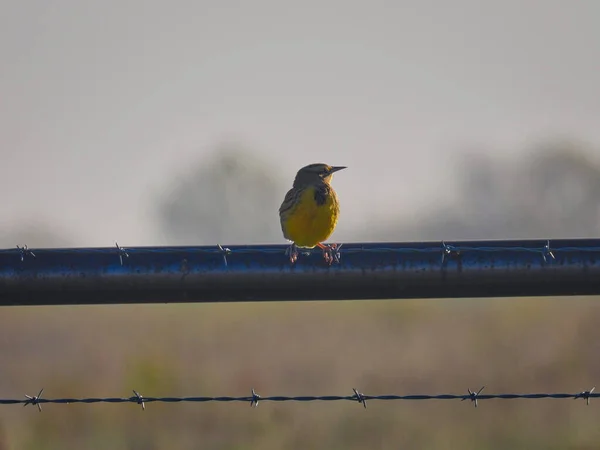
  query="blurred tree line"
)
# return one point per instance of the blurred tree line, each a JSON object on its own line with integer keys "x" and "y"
{"x": 552, "y": 191}
{"x": 232, "y": 198}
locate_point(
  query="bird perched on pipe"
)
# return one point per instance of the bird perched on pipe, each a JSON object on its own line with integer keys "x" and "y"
{"x": 310, "y": 211}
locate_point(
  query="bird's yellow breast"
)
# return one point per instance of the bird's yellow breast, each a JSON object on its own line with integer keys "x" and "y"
{"x": 310, "y": 222}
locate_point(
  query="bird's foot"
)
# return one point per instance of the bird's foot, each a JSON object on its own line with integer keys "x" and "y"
{"x": 331, "y": 252}
{"x": 292, "y": 252}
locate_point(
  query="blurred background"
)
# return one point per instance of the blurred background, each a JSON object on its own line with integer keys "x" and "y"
{"x": 184, "y": 122}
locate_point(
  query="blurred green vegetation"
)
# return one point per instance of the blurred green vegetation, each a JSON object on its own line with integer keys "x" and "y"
{"x": 321, "y": 348}
{"x": 402, "y": 347}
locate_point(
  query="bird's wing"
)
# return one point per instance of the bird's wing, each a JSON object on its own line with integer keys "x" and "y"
{"x": 289, "y": 202}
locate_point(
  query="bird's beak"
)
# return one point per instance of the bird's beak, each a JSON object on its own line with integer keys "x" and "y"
{"x": 336, "y": 168}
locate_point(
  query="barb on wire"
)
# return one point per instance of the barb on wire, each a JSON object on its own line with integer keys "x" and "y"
{"x": 24, "y": 252}
{"x": 473, "y": 395}
{"x": 546, "y": 252}
{"x": 139, "y": 399}
{"x": 586, "y": 395}
{"x": 448, "y": 251}
{"x": 34, "y": 400}
{"x": 254, "y": 398}
{"x": 336, "y": 253}
{"x": 122, "y": 253}
{"x": 360, "y": 398}
{"x": 224, "y": 251}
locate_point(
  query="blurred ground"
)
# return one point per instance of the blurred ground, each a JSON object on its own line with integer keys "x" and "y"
{"x": 381, "y": 347}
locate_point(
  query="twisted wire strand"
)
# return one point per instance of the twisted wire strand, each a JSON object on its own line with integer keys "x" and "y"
{"x": 254, "y": 399}
{"x": 348, "y": 248}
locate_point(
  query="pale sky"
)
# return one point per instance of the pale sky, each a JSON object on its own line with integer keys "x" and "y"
{"x": 102, "y": 102}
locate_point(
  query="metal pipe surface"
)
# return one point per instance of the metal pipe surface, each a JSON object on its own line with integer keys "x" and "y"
{"x": 386, "y": 270}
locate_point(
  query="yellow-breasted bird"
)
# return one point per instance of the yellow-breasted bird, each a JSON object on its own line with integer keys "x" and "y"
{"x": 310, "y": 210}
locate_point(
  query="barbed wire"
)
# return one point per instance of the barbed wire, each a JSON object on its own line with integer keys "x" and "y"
{"x": 444, "y": 249}
{"x": 474, "y": 396}
{"x": 274, "y": 249}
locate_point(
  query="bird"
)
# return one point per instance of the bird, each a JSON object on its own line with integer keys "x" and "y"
{"x": 310, "y": 210}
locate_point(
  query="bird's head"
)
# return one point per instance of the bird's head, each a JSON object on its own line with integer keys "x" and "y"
{"x": 315, "y": 173}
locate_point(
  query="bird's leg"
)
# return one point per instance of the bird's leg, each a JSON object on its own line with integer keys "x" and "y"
{"x": 292, "y": 251}
{"x": 331, "y": 252}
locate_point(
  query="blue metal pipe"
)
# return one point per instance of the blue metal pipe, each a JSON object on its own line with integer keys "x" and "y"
{"x": 264, "y": 273}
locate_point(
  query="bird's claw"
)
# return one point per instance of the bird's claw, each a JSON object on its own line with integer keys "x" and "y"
{"x": 331, "y": 253}
{"x": 292, "y": 252}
